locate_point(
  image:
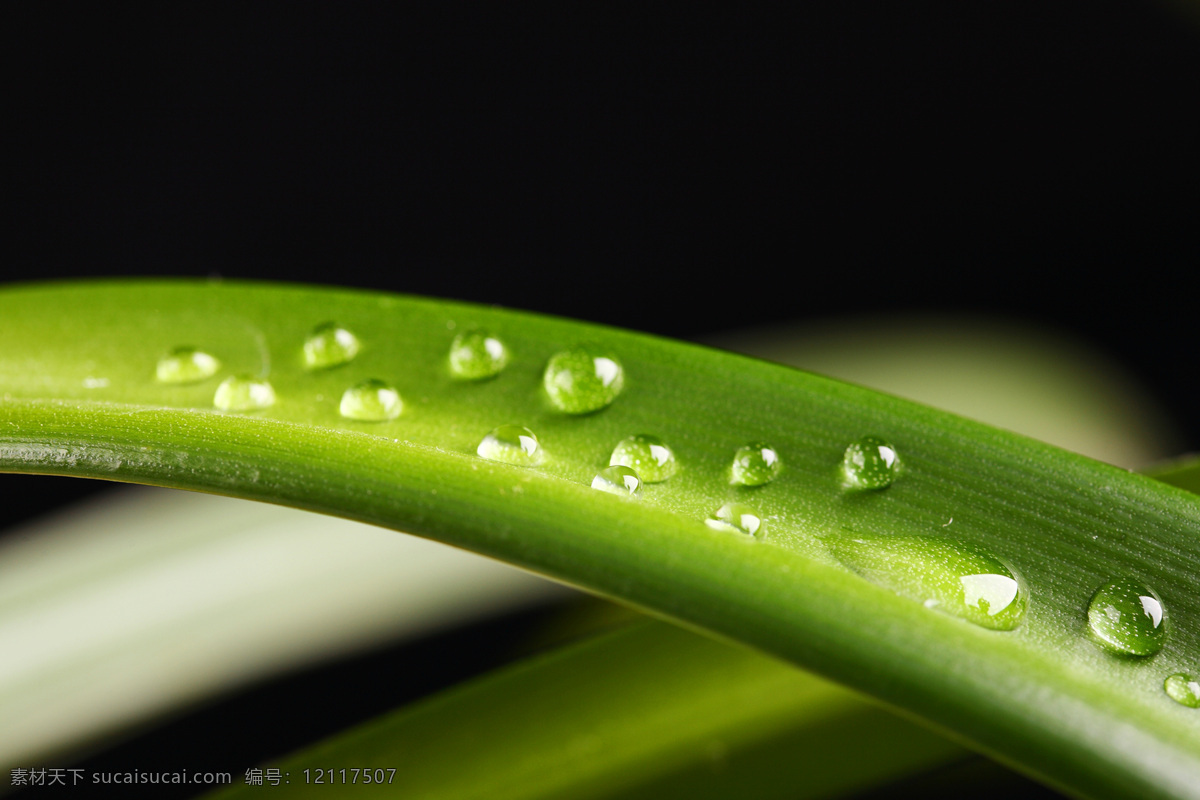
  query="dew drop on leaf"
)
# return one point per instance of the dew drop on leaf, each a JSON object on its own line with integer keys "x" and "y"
{"x": 1183, "y": 689}
{"x": 511, "y": 444}
{"x": 186, "y": 365}
{"x": 371, "y": 401}
{"x": 583, "y": 379}
{"x": 617, "y": 479}
{"x": 755, "y": 465}
{"x": 329, "y": 345}
{"x": 244, "y": 393}
{"x": 870, "y": 463}
{"x": 647, "y": 455}
{"x": 1126, "y": 617}
{"x": 941, "y": 575}
{"x": 476, "y": 355}
{"x": 736, "y": 518}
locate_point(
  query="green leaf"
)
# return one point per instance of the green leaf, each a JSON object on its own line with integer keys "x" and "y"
{"x": 650, "y": 711}
{"x": 774, "y": 732}
{"x": 81, "y": 398}
{"x": 1183, "y": 472}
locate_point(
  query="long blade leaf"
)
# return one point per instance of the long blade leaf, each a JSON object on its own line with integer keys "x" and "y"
{"x": 81, "y": 399}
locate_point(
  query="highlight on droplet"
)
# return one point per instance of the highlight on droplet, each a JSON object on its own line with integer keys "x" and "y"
{"x": 583, "y": 379}
{"x": 952, "y": 578}
{"x": 647, "y": 455}
{"x": 371, "y": 400}
{"x": 511, "y": 444}
{"x": 186, "y": 365}
{"x": 329, "y": 345}
{"x": 244, "y": 393}
{"x": 617, "y": 479}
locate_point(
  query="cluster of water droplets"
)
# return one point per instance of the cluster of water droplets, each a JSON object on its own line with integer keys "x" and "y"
{"x": 1125, "y": 617}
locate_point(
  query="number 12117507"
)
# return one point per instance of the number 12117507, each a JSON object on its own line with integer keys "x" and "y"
{"x": 356, "y": 775}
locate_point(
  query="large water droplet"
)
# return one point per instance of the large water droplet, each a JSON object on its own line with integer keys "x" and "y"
{"x": 941, "y": 575}
{"x": 737, "y": 518}
{"x": 583, "y": 379}
{"x": 870, "y": 463}
{"x": 511, "y": 444}
{"x": 1183, "y": 689}
{"x": 186, "y": 365}
{"x": 755, "y": 464}
{"x": 653, "y": 461}
{"x": 371, "y": 401}
{"x": 1127, "y": 617}
{"x": 476, "y": 354}
{"x": 328, "y": 346}
{"x": 244, "y": 393}
{"x": 617, "y": 480}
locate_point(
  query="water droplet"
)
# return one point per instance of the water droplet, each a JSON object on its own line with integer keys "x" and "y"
{"x": 1127, "y": 618}
{"x": 737, "y": 518}
{"x": 328, "y": 346}
{"x": 1183, "y": 689}
{"x": 371, "y": 401}
{"x": 617, "y": 480}
{"x": 186, "y": 365}
{"x": 511, "y": 444}
{"x": 755, "y": 464}
{"x": 953, "y": 579}
{"x": 476, "y": 354}
{"x": 243, "y": 393}
{"x": 583, "y": 379}
{"x": 870, "y": 463}
{"x": 653, "y": 461}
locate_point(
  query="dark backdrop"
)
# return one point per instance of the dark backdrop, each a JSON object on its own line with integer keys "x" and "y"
{"x": 662, "y": 168}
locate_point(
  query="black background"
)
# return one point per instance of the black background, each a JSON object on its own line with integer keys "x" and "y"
{"x": 663, "y": 168}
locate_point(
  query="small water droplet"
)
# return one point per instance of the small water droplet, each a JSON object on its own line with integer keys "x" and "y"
{"x": 617, "y": 479}
{"x": 511, "y": 444}
{"x": 243, "y": 393}
{"x": 1127, "y": 618}
{"x": 1183, "y": 689}
{"x": 870, "y": 463}
{"x": 737, "y": 518}
{"x": 186, "y": 365}
{"x": 947, "y": 577}
{"x": 755, "y": 464}
{"x": 649, "y": 456}
{"x": 371, "y": 401}
{"x": 583, "y": 379}
{"x": 329, "y": 345}
{"x": 476, "y": 354}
